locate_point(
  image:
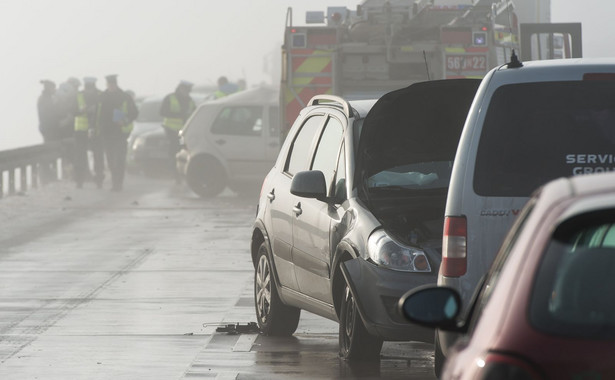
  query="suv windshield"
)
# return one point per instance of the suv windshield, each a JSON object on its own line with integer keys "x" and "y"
{"x": 535, "y": 132}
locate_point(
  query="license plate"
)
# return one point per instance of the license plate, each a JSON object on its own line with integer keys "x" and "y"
{"x": 466, "y": 62}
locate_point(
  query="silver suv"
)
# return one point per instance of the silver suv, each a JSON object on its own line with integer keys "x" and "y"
{"x": 350, "y": 216}
{"x": 529, "y": 123}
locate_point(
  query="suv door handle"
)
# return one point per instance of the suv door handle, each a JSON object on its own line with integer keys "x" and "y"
{"x": 271, "y": 195}
{"x": 221, "y": 141}
{"x": 297, "y": 209}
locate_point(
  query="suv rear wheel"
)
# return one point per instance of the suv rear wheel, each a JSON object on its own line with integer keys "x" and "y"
{"x": 355, "y": 342}
{"x": 206, "y": 177}
{"x": 274, "y": 317}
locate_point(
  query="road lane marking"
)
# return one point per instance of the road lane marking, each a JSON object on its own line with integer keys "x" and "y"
{"x": 244, "y": 343}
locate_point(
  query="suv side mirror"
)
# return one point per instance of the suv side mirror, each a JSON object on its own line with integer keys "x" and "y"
{"x": 309, "y": 184}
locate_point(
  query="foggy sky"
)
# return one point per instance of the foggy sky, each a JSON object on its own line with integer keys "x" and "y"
{"x": 154, "y": 44}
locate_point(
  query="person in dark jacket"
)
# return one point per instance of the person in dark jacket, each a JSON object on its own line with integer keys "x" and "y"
{"x": 175, "y": 109}
{"x": 48, "y": 112}
{"x": 117, "y": 114}
{"x": 49, "y": 116}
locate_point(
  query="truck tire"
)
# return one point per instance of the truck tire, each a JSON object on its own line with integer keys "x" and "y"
{"x": 206, "y": 177}
{"x": 356, "y": 343}
{"x": 274, "y": 317}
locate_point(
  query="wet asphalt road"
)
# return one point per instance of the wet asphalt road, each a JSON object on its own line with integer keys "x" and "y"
{"x": 134, "y": 285}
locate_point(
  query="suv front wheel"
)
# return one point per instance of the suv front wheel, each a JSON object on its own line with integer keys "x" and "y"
{"x": 274, "y": 317}
{"x": 356, "y": 343}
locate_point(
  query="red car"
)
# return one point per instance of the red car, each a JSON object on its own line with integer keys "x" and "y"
{"x": 546, "y": 308}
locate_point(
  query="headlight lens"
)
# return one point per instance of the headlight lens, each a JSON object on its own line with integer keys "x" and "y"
{"x": 385, "y": 251}
{"x": 139, "y": 143}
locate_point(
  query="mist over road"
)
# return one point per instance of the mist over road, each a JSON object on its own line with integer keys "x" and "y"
{"x": 98, "y": 285}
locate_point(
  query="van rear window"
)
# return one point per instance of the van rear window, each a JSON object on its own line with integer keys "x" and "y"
{"x": 536, "y": 132}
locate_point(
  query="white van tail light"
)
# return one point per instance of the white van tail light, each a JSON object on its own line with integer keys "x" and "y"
{"x": 454, "y": 246}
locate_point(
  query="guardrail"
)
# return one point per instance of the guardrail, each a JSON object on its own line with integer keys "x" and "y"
{"x": 32, "y": 166}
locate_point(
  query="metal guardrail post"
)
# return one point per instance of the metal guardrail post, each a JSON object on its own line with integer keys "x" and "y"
{"x": 34, "y": 172}
{"x": 12, "y": 182}
{"x": 23, "y": 176}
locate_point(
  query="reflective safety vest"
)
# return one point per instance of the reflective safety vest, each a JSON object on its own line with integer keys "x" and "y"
{"x": 176, "y": 123}
{"x": 81, "y": 120}
{"x": 128, "y": 127}
{"x": 220, "y": 94}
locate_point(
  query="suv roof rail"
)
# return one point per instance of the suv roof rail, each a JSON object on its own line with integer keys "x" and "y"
{"x": 319, "y": 99}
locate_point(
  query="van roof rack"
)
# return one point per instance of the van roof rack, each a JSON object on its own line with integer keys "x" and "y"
{"x": 338, "y": 101}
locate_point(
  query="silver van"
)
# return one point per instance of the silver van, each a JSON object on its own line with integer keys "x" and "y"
{"x": 529, "y": 123}
{"x": 232, "y": 141}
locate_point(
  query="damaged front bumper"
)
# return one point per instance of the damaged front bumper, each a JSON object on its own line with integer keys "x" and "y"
{"x": 377, "y": 291}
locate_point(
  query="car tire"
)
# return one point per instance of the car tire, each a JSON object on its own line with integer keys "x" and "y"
{"x": 206, "y": 177}
{"x": 439, "y": 358}
{"x": 274, "y": 317}
{"x": 356, "y": 343}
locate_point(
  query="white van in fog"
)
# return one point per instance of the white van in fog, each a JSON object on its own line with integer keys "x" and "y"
{"x": 529, "y": 123}
{"x": 232, "y": 141}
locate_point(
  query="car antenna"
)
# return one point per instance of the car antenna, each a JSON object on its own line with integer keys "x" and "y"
{"x": 514, "y": 61}
{"x": 426, "y": 65}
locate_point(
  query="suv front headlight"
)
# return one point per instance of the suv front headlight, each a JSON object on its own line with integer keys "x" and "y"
{"x": 139, "y": 143}
{"x": 386, "y": 252}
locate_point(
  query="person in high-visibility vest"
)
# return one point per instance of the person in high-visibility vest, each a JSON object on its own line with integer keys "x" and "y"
{"x": 225, "y": 88}
{"x": 116, "y": 115}
{"x": 175, "y": 109}
{"x": 86, "y": 127}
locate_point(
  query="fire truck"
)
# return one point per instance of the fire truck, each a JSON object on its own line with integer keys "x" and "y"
{"x": 385, "y": 45}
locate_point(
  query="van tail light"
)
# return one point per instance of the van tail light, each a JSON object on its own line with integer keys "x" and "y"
{"x": 497, "y": 366}
{"x": 454, "y": 246}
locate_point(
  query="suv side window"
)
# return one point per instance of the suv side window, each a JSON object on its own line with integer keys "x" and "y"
{"x": 299, "y": 154}
{"x": 325, "y": 158}
{"x": 239, "y": 121}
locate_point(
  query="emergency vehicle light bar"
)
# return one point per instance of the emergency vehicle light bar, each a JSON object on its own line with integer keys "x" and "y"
{"x": 319, "y": 99}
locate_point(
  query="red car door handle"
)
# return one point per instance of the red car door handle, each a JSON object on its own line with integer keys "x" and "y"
{"x": 297, "y": 209}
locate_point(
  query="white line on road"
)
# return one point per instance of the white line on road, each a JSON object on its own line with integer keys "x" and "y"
{"x": 244, "y": 343}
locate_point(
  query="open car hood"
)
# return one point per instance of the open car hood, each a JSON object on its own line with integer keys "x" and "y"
{"x": 419, "y": 123}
